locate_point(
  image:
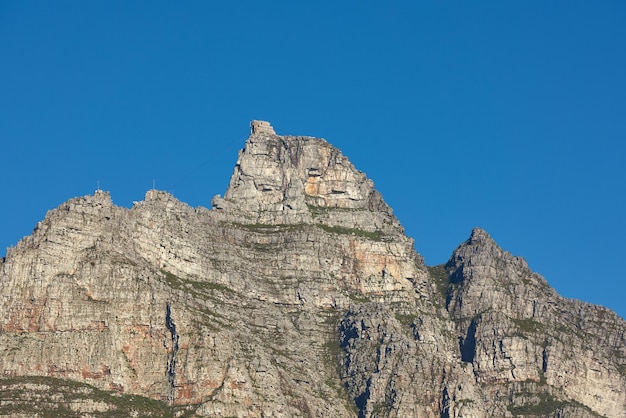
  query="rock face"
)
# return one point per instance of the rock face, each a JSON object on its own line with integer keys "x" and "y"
{"x": 297, "y": 294}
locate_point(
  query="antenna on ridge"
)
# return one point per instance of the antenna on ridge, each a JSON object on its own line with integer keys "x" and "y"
{"x": 98, "y": 187}
{"x": 153, "y": 184}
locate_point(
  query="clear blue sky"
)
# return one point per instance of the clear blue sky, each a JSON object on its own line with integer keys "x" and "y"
{"x": 506, "y": 115}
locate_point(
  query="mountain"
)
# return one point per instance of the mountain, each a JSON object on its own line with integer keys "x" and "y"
{"x": 296, "y": 294}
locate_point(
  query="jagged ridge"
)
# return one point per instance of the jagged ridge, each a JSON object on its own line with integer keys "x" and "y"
{"x": 297, "y": 294}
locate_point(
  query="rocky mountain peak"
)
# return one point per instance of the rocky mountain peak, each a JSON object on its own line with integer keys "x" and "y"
{"x": 513, "y": 327}
{"x": 479, "y": 254}
{"x": 480, "y": 267}
{"x": 479, "y": 235}
{"x": 297, "y": 294}
{"x": 300, "y": 179}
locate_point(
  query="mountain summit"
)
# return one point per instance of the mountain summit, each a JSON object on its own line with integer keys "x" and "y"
{"x": 296, "y": 294}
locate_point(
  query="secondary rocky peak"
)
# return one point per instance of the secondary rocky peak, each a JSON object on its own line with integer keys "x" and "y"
{"x": 513, "y": 327}
{"x": 479, "y": 235}
{"x": 480, "y": 251}
{"x": 480, "y": 262}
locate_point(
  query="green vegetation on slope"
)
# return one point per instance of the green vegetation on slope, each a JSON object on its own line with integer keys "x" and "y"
{"x": 40, "y": 396}
{"x": 441, "y": 278}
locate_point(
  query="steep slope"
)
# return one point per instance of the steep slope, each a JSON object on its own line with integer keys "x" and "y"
{"x": 514, "y": 329}
{"x": 297, "y": 294}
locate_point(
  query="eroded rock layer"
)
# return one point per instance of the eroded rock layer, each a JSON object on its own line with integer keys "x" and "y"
{"x": 297, "y": 294}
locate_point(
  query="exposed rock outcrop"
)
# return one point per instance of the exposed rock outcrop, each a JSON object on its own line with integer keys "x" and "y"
{"x": 514, "y": 329}
{"x": 297, "y": 294}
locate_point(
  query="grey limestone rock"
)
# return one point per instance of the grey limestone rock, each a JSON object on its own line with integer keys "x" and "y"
{"x": 296, "y": 294}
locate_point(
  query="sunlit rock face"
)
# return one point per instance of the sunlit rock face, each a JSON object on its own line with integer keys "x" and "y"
{"x": 515, "y": 329}
{"x": 296, "y": 294}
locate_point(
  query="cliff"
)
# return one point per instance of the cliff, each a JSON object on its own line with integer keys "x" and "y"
{"x": 296, "y": 294}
